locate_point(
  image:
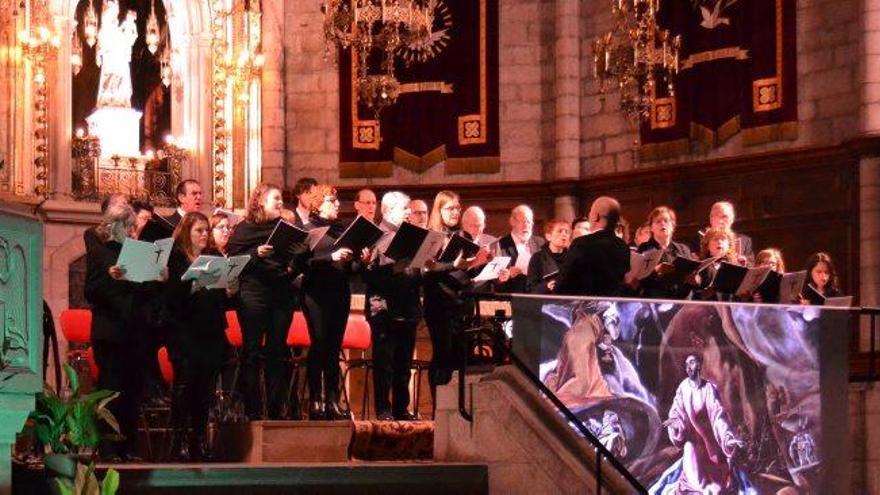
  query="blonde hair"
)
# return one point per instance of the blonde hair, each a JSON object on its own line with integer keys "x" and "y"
{"x": 765, "y": 255}
{"x": 435, "y": 221}
{"x": 255, "y": 213}
{"x": 313, "y": 198}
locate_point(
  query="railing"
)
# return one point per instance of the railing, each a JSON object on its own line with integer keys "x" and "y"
{"x": 494, "y": 334}
{"x": 151, "y": 177}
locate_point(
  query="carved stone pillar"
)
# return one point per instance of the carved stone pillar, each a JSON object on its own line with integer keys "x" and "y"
{"x": 21, "y": 320}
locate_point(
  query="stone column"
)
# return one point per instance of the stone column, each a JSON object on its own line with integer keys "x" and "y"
{"x": 60, "y": 95}
{"x": 273, "y": 93}
{"x": 568, "y": 89}
{"x": 566, "y": 208}
{"x": 869, "y": 231}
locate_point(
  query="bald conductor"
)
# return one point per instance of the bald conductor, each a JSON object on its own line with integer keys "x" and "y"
{"x": 596, "y": 263}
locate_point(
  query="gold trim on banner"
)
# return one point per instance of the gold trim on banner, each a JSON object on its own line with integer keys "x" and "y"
{"x": 767, "y": 92}
{"x": 365, "y": 134}
{"x": 419, "y": 164}
{"x": 472, "y": 128}
{"x": 733, "y": 52}
{"x": 663, "y": 112}
{"x": 783, "y": 131}
{"x": 661, "y": 151}
{"x": 426, "y": 86}
{"x": 709, "y": 138}
{"x": 473, "y": 165}
{"x": 365, "y": 170}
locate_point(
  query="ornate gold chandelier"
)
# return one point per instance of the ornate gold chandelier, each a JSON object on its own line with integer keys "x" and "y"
{"x": 635, "y": 56}
{"x": 376, "y": 30}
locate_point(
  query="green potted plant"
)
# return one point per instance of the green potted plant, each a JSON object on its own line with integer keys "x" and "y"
{"x": 68, "y": 429}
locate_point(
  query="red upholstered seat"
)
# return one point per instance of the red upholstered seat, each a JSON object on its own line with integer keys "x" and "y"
{"x": 298, "y": 335}
{"x": 357, "y": 334}
{"x": 76, "y": 325}
{"x": 233, "y": 330}
{"x": 165, "y": 365}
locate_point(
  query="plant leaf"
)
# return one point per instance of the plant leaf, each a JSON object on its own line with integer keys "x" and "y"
{"x": 79, "y": 483}
{"x": 111, "y": 482}
{"x": 98, "y": 395}
{"x": 65, "y": 486}
{"x": 73, "y": 378}
{"x": 109, "y": 418}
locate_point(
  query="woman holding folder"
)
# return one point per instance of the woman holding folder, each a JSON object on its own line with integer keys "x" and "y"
{"x": 716, "y": 244}
{"x": 197, "y": 343}
{"x": 662, "y": 222}
{"x": 116, "y": 325}
{"x": 265, "y": 302}
{"x": 544, "y": 265}
{"x": 326, "y": 302}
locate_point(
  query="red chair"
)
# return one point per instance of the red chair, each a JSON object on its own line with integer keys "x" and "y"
{"x": 76, "y": 326}
{"x": 357, "y": 337}
{"x": 236, "y": 340}
{"x": 165, "y": 366}
{"x": 297, "y": 340}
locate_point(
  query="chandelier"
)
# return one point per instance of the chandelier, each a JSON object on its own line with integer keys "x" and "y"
{"x": 90, "y": 25}
{"x": 635, "y": 56}
{"x": 152, "y": 35}
{"x": 377, "y": 30}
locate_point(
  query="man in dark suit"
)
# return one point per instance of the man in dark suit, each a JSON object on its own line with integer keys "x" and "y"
{"x": 302, "y": 186}
{"x": 596, "y": 263}
{"x": 90, "y": 237}
{"x": 189, "y": 200}
{"x": 473, "y": 224}
{"x": 519, "y": 245}
{"x": 722, "y": 216}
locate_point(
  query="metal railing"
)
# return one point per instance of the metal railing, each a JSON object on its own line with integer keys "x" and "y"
{"x": 491, "y": 332}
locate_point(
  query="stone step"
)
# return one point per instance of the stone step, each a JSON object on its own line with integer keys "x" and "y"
{"x": 354, "y": 477}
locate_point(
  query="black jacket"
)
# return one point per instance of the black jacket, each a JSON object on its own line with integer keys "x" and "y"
{"x": 594, "y": 266}
{"x": 543, "y": 263}
{"x": 118, "y": 306}
{"x": 506, "y": 247}
{"x": 267, "y": 276}
{"x": 391, "y": 283}
{"x": 323, "y": 276}
{"x": 660, "y": 288}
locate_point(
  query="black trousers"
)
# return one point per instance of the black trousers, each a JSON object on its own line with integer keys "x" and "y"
{"x": 444, "y": 327}
{"x": 393, "y": 344}
{"x": 261, "y": 314}
{"x": 326, "y": 313}
{"x": 120, "y": 370}
{"x": 195, "y": 381}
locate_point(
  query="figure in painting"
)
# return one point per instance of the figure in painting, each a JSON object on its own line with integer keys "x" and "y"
{"x": 610, "y": 433}
{"x": 802, "y": 448}
{"x": 698, "y": 425}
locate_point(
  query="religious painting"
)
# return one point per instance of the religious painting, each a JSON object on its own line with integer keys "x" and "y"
{"x": 737, "y": 74}
{"x": 447, "y": 108}
{"x": 696, "y": 397}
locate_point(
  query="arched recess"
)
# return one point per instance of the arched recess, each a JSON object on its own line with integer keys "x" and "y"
{"x": 189, "y": 28}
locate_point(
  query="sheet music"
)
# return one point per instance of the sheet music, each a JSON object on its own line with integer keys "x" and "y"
{"x": 144, "y": 261}
{"x": 492, "y": 269}
{"x": 790, "y": 287}
{"x": 753, "y": 279}
{"x": 215, "y": 272}
{"x": 641, "y": 265}
{"x": 432, "y": 244}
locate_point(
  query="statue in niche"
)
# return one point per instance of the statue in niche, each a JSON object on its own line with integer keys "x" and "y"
{"x": 113, "y": 56}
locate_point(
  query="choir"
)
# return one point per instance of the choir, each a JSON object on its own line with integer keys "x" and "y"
{"x": 314, "y": 273}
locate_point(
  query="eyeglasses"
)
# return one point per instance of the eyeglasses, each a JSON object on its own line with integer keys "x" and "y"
{"x": 451, "y": 208}
{"x": 223, "y": 228}
{"x": 414, "y": 212}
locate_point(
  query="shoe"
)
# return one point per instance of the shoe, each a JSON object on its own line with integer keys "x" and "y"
{"x": 111, "y": 458}
{"x": 384, "y": 416}
{"x": 131, "y": 458}
{"x": 333, "y": 412}
{"x": 406, "y": 416}
{"x": 316, "y": 411}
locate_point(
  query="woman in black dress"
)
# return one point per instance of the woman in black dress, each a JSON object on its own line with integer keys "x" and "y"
{"x": 117, "y": 322}
{"x": 662, "y": 223}
{"x": 197, "y": 344}
{"x": 265, "y": 307}
{"x": 326, "y": 302}
{"x": 545, "y": 264}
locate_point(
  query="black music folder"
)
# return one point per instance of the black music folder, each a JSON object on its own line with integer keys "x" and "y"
{"x": 458, "y": 244}
{"x": 361, "y": 234}
{"x": 406, "y": 242}
{"x": 157, "y": 228}
{"x": 284, "y": 238}
{"x": 685, "y": 267}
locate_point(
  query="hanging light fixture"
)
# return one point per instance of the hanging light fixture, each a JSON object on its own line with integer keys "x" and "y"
{"x": 377, "y": 27}
{"x": 165, "y": 67}
{"x": 76, "y": 58}
{"x": 635, "y": 55}
{"x": 90, "y": 25}
{"x": 152, "y": 35}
